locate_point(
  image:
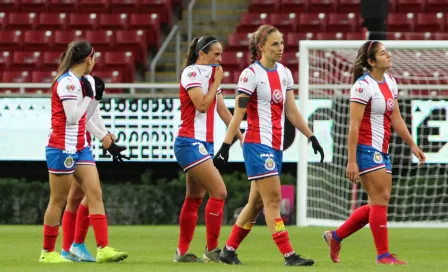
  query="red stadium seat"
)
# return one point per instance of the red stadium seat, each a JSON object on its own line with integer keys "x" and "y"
{"x": 238, "y": 41}
{"x": 294, "y": 6}
{"x": 429, "y": 22}
{"x": 62, "y": 5}
{"x": 290, "y": 59}
{"x": 419, "y": 36}
{"x": 312, "y": 22}
{"x": 51, "y": 59}
{"x": 26, "y": 21}
{"x": 38, "y": 40}
{"x": 441, "y": 36}
{"x": 436, "y": 6}
{"x": 251, "y": 21}
{"x": 3, "y": 20}
{"x": 233, "y": 60}
{"x": 330, "y": 36}
{"x": 395, "y": 36}
{"x": 400, "y": 22}
{"x": 410, "y": 6}
{"x": 114, "y": 21}
{"x": 342, "y": 22}
{"x": 121, "y": 61}
{"x": 134, "y": 41}
{"x": 292, "y": 40}
{"x": 99, "y": 6}
{"x": 11, "y": 40}
{"x": 108, "y": 76}
{"x": 349, "y": 6}
{"x": 128, "y": 6}
{"x": 27, "y": 60}
{"x": 161, "y": 7}
{"x": 63, "y": 38}
{"x": 284, "y": 22}
{"x": 52, "y": 21}
{"x": 355, "y": 36}
{"x": 260, "y": 6}
{"x": 5, "y": 59}
{"x": 83, "y": 21}
{"x": 326, "y": 6}
{"x": 33, "y": 5}
{"x": 16, "y": 76}
{"x": 102, "y": 40}
{"x": 43, "y": 76}
{"x": 9, "y": 6}
{"x": 150, "y": 23}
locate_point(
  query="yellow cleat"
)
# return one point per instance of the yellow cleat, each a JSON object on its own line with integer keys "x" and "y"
{"x": 52, "y": 257}
{"x": 109, "y": 255}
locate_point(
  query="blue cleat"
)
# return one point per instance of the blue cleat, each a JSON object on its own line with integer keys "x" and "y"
{"x": 80, "y": 252}
{"x": 66, "y": 255}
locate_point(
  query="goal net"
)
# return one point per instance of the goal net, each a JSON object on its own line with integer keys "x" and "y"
{"x": 420, "y": 193}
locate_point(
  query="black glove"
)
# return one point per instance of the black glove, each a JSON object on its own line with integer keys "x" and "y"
{"x": 317, "y": 147}
{"x": 115, "y": 150}
{"x": 87, "y": 87}
{"x": 222, "y": 156}
{"x": 99, "y": 88}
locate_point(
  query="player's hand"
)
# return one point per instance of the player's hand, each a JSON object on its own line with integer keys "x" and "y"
{"x": 87, "y": 86}
{"x": 317, "y": 148}
{"x": 352, "y": 172}
{"x": 112, "y": 136}
{"x": 419, "y": 154}
{"x": 107, "y": 141}
{"x": 222, "y": 156}
{"x": 99, "y": 88}
{"x": 115, "y": 151}
{"x": 219, "y": 75}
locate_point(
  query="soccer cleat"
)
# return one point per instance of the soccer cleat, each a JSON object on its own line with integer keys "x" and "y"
{"x": 109, "y": 255}
{"x": 390, "y": 259}
{"x": 186, "y": 258}
{"x": 334, "y": 246}
{"x": 229, "y": 257}
{"x": 52, "y": 257}
{"x": 212, "y": 255}
{"x": 81, "y": 253}
{"x": 68, "y": 256}
{"x": 296, "y": 260}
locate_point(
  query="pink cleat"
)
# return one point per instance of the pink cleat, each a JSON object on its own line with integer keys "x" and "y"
{"x": 334, "y": 245}
{"x": 390, "y": 259}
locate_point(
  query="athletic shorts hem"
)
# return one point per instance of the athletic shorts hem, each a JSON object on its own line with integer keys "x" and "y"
{"x": 61, "y": 172}
{"x": 372, "y": 169}
{"x": 197, "y": 163}
{"x": 262, "y": 176}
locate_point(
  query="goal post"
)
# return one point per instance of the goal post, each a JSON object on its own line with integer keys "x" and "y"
{"x": 420, "y": 194}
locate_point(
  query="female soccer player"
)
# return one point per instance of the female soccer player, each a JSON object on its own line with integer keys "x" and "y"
{"x": 200, "y": 98}
{"x": 373, "y": 110}
{"x": 266, "y": 92}
{"x": 69, "y": 155}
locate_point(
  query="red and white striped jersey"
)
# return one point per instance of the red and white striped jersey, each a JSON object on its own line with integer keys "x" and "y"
{"x": 62, "y": 135}
{"x": 379, "y": 98}
{"x": 194, "y": 124}
{"x": 265, "y": 111}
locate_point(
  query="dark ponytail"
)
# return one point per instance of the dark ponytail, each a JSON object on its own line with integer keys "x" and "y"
{"x": 203, "y": 44}
{"x": 259, "y": 37}
{"x": 365, "y": 52}
{"x": 76, "y": 53}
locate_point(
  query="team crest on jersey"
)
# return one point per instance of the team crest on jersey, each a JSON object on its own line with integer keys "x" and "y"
{"x": 390, "y": 104}
{"x": 359, "y": 90}
{"x": 243, "y": 79}
{"x": 377, "y": 157}
{"x": 277, "y": 96}
{"x": 269, "y": 164}
{"x": 284, "y": 82}
{"x": 69, "y": 162}
{"x": 202, "y": 149}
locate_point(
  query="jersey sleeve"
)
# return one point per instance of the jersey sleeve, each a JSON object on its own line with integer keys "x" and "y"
{"x": 66, "y": 89}
{"x": 190, "y": 78}
{"x": 360, "y": 92}
{"x": 247, "y": 82}
{"x": 289, "y": 81}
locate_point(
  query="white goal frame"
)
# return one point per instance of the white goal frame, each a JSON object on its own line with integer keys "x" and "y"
{"x": 302, "y": 166}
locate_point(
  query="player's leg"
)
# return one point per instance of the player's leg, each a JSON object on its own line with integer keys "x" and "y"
{"x": 243, "y": 225}
{"x": 82, "y": 222}
{"x": 87, "y": 176}
{"x": 270, "y": 192}
{"x": 188, "y": 219}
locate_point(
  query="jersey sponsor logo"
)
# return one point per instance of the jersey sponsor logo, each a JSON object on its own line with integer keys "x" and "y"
{"x": 269, "y": 164}
{"x": 192, "y": 74}
{"x": 377, "y": 157}
{"x": 359, "y": 90}
{"x": 266, "y": 155}
{"x": 390, "y": 104}
{"x": 277, "y": 96}
{"x": 71, "y": 87}
{"x": 69, "y": 152}
{"x": 69, "y": 162}
{"x": 243, "y": 79}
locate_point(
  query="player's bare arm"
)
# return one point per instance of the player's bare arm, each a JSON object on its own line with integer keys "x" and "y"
{"x": 225, "y": 114}
{"x": 356, "y": 114}
{"x": 238, "y": 115}
{"x": 294, "y": 116}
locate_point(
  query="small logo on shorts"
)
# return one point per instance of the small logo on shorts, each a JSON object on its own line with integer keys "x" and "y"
{"x": 377, "y": 157}
{"x": 202, "y": 149}
{"x": 69, "y": 162}
{"x": 269, "y": 164}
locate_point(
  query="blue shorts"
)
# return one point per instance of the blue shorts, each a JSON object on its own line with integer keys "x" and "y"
{"x": 190, "y": 152}
{"x": 64, "y": 162}
{"x": 369, "y": 159}
{"x": 261, "y": 161}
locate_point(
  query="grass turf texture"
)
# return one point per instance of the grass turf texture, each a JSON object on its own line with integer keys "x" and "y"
{"x": 151, "y": 248}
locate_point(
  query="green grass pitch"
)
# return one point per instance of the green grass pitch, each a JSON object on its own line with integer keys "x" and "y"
{"x": 151, "y": 248}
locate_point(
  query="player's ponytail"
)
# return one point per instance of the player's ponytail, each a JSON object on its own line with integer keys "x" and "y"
{"x": 365, "y": 52}
{"x": 76, "y": 53}
{"x": 259, "y": 37}
{"x": 203, "y": 44}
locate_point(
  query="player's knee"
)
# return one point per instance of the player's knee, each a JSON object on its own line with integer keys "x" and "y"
{"x": 256, "y": 205}
{"x": 94, "y": 195}
{"x": 220, "y": 193}
{"x": 58, "y": 200}
{"x": 75, "y": 199}
{"x": 273, "y": 202}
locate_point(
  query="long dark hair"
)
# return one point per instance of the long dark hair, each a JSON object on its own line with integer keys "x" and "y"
{"x": 203, "y": 44}
{"x": 76, "y": 53}
{"x": 259, "y": 37}
{"x": 365, "y": 52}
